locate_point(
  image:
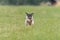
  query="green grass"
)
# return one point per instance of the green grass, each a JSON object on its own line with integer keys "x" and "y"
{"x": 46, "y": 27}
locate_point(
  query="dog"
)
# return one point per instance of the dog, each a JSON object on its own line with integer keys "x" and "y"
{"x": 29, "y": 19}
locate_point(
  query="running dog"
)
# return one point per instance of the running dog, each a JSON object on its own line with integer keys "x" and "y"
{"x": 29, "y": 19}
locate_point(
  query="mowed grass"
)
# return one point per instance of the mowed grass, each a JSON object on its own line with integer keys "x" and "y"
{"x": 46, "y": 27}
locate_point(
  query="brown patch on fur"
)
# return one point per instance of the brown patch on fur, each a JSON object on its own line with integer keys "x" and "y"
{"x": 29, "y": 21}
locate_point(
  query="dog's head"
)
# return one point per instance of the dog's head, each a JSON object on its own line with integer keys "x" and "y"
{"x": 29, "y": 15}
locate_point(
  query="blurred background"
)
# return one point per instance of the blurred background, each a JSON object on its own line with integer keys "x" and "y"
{"x": 46, "y": 18}
{"x": 28, "y": 2}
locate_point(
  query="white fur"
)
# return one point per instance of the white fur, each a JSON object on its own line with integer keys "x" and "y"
{"x": 32, "y": 20}
{"x": 28, "y": 19}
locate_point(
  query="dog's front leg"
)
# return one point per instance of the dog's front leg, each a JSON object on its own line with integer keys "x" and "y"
{"x": 32, "y": 20}
{"x": 25, "y": 22}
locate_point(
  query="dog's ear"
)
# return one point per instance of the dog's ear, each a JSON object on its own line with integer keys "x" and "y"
{"x": 26, "y": 13}
{"x": 32, "y": 13}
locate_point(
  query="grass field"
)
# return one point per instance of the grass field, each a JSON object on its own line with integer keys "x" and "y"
{"x": 46, "y": 27}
